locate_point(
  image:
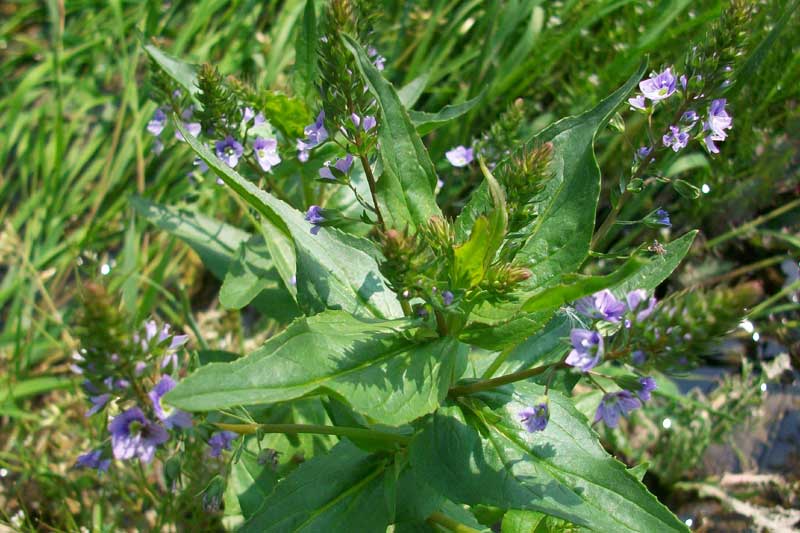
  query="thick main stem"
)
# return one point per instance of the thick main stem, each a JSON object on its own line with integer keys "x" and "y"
{"x": 487, "y": 384}
{"x": 293, "y": 429}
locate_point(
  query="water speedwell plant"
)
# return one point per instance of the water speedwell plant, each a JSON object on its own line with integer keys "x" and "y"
{"x": 432, "y": 361}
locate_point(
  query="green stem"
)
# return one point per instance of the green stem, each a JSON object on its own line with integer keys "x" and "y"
{"x": 499, "y": 360}
{"x": 746, "y": 269}
{"x": 760, "y": 308}
{"x": 487, "y": 384}
{"x": 610, "y": 220}
{"x": 439, "y": 519}
{"x": 752, "y": 224}
{"x": 372, "y": 189}
{"x": 293, "y": 429}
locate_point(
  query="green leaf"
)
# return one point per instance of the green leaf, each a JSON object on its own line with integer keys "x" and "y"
{"x": 183, "y": 73}
{"x": 287, "y": 113}
{"x": 545, "y": 347}
{"x": 515, "y": 521}
{"x": 340, "y": 491}
{"x": 555, "y": 297}
{"x": 215, "y": 242}
{"x": 560, "y": 238}
{"x": 416, "y": 500}
{"x": 305, "y": 56}
{"x": 249, "y": 483}
{"x": 479, "y": 203}
{"x": 548, "y": 345}
{"x": 371, "y": 364}
{"x": 250, "y": 272}
{"x": 639, "y": 470}
{"x": 406, "y": 187}
{"x": 686, "y": 189}
{"x": 473, "y": 257}
{"x": 562, "y": 471}
{"x": 656, "y": 271}
{"x": 500, "y": 325}
{"x": 216, "y": 356}
{"x": 686, "y": 163}
{"x": 410, "y": 92}
{"x": 333, "y": 270}
{"x": 33, "y": 387}
{"x": 218, "y": 244}
{"x": 428, "y": 122}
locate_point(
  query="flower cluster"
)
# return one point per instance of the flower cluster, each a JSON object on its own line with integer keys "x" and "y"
{"x": 588, "y": 345}
{"x": 236, "y": 131}
{"x": 133, "y": 433}
{"x": 588, "y": 349}
{"x": 711, "y": 129}
{"x": 126, "y": 379}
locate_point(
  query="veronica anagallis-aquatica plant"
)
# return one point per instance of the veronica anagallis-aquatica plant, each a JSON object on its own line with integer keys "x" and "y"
{"x": 429, "y": 362}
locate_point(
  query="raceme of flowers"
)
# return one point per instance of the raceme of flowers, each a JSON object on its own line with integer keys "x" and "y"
{"x": 229, "y": 148}
{"x": 711, "y": 128}
{"x": 589, "y": 350}
{"x": 143, "y": 422}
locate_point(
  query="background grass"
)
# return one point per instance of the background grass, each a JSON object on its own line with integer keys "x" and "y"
{"x": 74, "y": 105}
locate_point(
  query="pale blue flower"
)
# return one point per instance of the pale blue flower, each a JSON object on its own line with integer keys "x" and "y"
{"x": 676, "y": 139}
{"x": 602, "y": 305}
{"x": 229, "y": 150}
{"x": 133, "y": 435}
{"x": 615, "y": 404}
{"x": 638, "y": 102}
{"x": 587, "y": 349}
{"x": 535, "y": 418}
{"x": 460, "y": 156}
{"x": 266, "y": 152}
{"x": 172, "y": 418}
{"x": 658, "y": 87}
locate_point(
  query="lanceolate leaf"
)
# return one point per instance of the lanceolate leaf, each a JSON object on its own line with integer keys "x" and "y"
{"x": 549, "y": 345}
{"x": 229, "y": 253}
{"x": 305, "y": 55}
{"x": 659, "y": 268}
{"x": 473, "y": 456}
{"x": 428, "y": 122}
{"x": 410, "y": 93}
{"x": 555, "y": 297}
{"x": 473, "y": 257}
{"x": 183, "y": 73}
{"x": 490, "y": 331}
{"x": 497, "y": 326}
{"x": 340, "y": 491}
{"x": 369, "y": 363}
{"x": 331, "y": 273}
{"x": 559, "y": 240}
{"x": 248, "y": 274}
{"x": 215, "y": 242}
{"x": 480, "y": 202}
{"x": 407, "y": 184}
